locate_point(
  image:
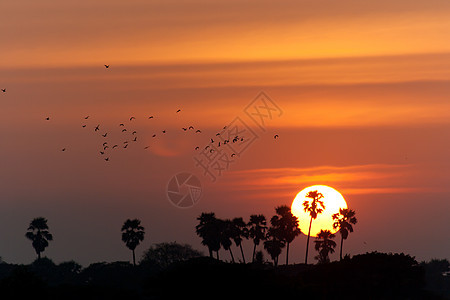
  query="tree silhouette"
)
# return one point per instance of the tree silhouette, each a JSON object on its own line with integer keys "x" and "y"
{"x": 287, "y": 226}
{"x": 239, "y": 231}
{"x": 226, "y": 233}
{"x": 314, "y": 210}
{"x": 39, "y": 235}
{"x": 132, "y": 235}
{"x": 325, "y": 245}
{"x": 257, "y": 230}
{"x": 344, "y": 220}
{"x": 165, "y": 254}
{"x": 209, "y": 230}
{"x": 273, "y": 244}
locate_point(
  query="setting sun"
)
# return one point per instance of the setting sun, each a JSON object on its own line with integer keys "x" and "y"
{"x": 333, "y": 201}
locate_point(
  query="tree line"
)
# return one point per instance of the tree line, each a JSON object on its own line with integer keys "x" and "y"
{"x": 284, "y": 228}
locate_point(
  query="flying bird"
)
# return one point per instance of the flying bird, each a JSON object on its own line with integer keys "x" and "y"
{"x": 135, "y": 139}
{"x": 178, "y": 110}
{"x": 104, "y": 144}
{"x": 154, "y": 135}
{"x": 196, "y": 148}
{"x": 48, "y": 118}
{"x": 234, "y": 154}
{"x": 107, "y": 159}
{"x": 211, "y": 151}
{"x": 63, "y": 149}
{"x": 4, "y": 90}
{"x": 132, "y": 118}
{"x": 198, "y": 130}
{"x": 123, "y": 130}
{"x": 121, "y": 124}
{"x": 151, "y": 117}
{"x": 275, "y": 136}
{"x": 97, "y": 128}
{"x": 104, "y": 135}
{"x": 125, "y": 146}
{"x": 87, "y": 117}
{"x": 134, "y": 132}
{"x": 83, "y": 126}
{"x": 115, "y": 146}
{"x": 191, "y": 127}
{"x": 106, "y": 147}
{"x": 106, "y": 66}
{"x": 101, "y": 152}
{"x": 212, "y": 141}
{"x": 126, "y": 142}
{"x": 146, "y": 147}
{"x": 184, "y": 129}
{"x": 217, "y": 134}
{"x": 163, "y": 131}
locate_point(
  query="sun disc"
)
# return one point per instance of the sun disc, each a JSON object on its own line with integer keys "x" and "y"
{"x": 333, "y": 201}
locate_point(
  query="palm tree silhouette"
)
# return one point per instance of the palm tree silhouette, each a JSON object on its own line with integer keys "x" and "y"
{"x": 239, "y": 231}
{"x": 273, "y": 244}
{"x": 39, "y": 235}
{"x": 344, "y": 220}
{"x": 132, "y": 235}
{"x": 226, "y": 232}
{"x": 313, "y": 210}
{"x": 325, "y": 245}
{"x": 257, "y": 230}
{"x": 287, "y": 225}
{"x": 209, "y": 230}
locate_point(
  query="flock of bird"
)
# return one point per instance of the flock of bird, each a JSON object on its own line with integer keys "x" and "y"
{"x": 106, "y": 147}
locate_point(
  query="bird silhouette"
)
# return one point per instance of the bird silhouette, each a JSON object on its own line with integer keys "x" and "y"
{"x": 218, "y": 145}
{"x": 48, "y": 118}
{"x": 104, "y": 144}
{"x": 234, "y": 154}
{"x": 178, "y": 110}
{"x": 184, "y": 129}
{"x": 4, "y": 90}
{"x": 107, "y": 159}
{"x": 154, "y": 135}
{"x": 211, "y": 151}
{"x": 121, "y": 124}
{"x": 198, "y": 131}
{"x": 87, "y": 117}
{"x": 123, "y": 130}
{"x": 135, "y": 139}
{"x": 151, "y": 117}
{"x": 134, "y": 132}
{"x": 101, "y": 152}
{"x": 191, "y": 127}
{"x": 132, "y": 118}
{"x": 275, "y": 136}
{"x": 115, "y": 146}
{"x": 217, "y": 134}
{"x": 106, "y": 66}
{"x": 212, "y": 141}
{"x": 163, "y": 131}
{"x": 196, "y": 148}
{"x": 126, "y": 142}
{"x": 125, "y": 146}
{"x": 97, "y": 128}
{"x": 206, "y": 148}
{"x": 83, "y": 126}
{"x": 146, "y": 147}
{"x": 224, "y": 127}
{"x": 106, "y": 147}
{"x": 104, "y": 135}
{"x": 63, "y": 149}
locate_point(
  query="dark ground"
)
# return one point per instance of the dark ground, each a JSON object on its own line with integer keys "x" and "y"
{"x": 366, "y": 276}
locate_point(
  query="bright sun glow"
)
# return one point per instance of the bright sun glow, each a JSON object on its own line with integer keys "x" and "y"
{"x": 332, "y": 199}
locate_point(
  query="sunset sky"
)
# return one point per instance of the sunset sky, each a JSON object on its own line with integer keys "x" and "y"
{"x": 363, "y": 87}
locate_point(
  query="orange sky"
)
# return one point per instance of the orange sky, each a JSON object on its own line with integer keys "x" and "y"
{"x": 363, "y": 86}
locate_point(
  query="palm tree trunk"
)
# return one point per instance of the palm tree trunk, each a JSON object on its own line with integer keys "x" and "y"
{"x": 210, "y": 252}
{"x": 254, "y": 250}
{"x": 242, "y": 253}
{"x": 340, "y": 251}
{"x": 217, "y": 255}
{"x": 39, "y": 255}
{"x": 287, "y": 253}
{"x": 231, "y": 254}
{"x": 307, "y": 242}
{"x": 134, "y": 258}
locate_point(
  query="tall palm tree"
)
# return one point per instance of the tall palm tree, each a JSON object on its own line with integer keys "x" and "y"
{"x": 313, "y": 209}
{"x": 344, "y": 220}
{"x": 39, "y": 235}
{"x": 288, "y": 226}
{"x": 226, "y": 233}
{"x": 273, "y": 244}
{"x": 132, "y": 235}
{"x": 209, "y": 230}
{"x": 257, "y": 230}
{"x": 325, "y": 245}
{"x": 239, "y": 232}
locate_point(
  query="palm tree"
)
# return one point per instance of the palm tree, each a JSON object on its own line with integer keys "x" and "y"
{"x": 239, "y": 231}
{"x": 344, "y": 220}
{"x": 313, "y": 210}
{"x": 209, "y": 230}
{"x": 325, "y": 245}
{"x": 132, "y": 235}
{"x": 273, "y": 244}
{"x": 257, "y": 230}
{"x": 288, "y": 226}
{"x": 226, "y": 232}
{"x": 39, "y": 235}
